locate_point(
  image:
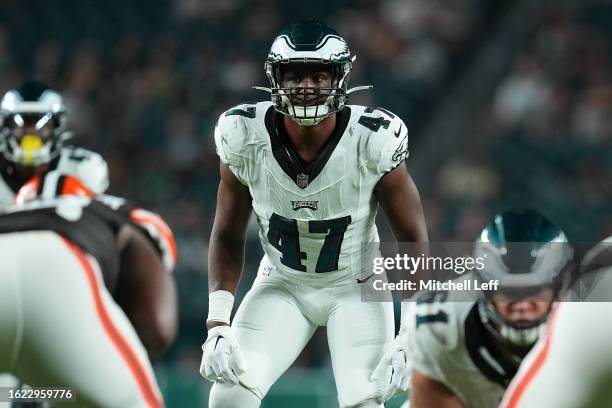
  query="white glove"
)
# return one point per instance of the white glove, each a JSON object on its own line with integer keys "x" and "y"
{"x": 222, "y": 357}
{"x": 393, "y": 372}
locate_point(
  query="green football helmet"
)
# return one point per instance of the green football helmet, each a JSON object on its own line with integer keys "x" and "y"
{"x": 527, "y": 254}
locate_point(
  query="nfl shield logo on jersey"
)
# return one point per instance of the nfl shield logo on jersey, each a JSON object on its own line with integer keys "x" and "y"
{"x": 302, "y": 180}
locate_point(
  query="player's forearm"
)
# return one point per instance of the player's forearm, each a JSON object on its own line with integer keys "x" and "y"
{"x": 225, "y": 261}
{"x": 226, "y": 252}
{"x": 156, "y": 340}
{"x": 154, "y": 312}
{"x": 426, "y": 393}
{"x": 156, "y": 329}
{"x": 435, "y": 401}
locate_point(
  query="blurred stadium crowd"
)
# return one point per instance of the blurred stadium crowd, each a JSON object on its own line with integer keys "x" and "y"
{"x": 146, "y": 80}
{"x": 544, "y": 137}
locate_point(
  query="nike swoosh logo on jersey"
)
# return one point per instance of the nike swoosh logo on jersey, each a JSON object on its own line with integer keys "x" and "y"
{"x": 397, "y": 134}
{"x": 365, "y": 279}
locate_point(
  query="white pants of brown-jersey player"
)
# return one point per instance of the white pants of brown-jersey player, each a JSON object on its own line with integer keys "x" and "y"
{"x": 59, "y": 325}
{"x": 571, "y": 366}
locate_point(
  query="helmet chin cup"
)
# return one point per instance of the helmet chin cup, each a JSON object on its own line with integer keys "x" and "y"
{"x": 307, "y": 122}
{"x": 521, "y": 337}
{"x": 29, "y": 154}
{"x": 504, "y": 331}
{"x": 303, "y": 115}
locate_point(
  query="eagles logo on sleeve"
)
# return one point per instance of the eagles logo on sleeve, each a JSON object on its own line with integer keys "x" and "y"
{"x": 401, "y": 152}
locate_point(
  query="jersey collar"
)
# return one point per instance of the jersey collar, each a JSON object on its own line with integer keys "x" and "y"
{"x": 485, "y": 351}
{"x": 302, "y": 174}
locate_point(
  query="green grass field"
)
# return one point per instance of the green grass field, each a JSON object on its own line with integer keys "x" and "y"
{"x": 295, "y": 389}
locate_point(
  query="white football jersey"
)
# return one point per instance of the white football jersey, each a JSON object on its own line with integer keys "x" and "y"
{"x": 87, "y": 166}
{"x": 313, "y": 218}
{"x": 450, "y": 344}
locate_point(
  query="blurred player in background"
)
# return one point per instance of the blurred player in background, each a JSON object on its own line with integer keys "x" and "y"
{"x": 33, "y": 139}
{"x": 32, "y": 142}
{"x": 314, "y": 171}
{"x": 86, "y": 291}
{"x": 466, "y": 353}
{"x": 571, "y": 367}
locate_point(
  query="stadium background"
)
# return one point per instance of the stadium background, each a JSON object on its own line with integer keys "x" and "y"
{"x": 508, "y": 103}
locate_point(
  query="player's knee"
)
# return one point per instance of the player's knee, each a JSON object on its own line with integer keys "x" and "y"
{"x": 232, "y": 396}
{"x": 370, "y": 403}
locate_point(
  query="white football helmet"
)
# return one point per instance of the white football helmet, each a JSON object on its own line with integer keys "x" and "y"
{"x": 32, "y": 124}
{"x": 309, "y": 42}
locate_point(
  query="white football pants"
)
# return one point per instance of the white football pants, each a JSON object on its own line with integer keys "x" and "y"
{"x": 277, "y": 318}
{"x": 59, "y": 326}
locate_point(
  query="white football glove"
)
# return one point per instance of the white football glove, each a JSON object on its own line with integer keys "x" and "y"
{"x": 222, "y": 357}
{"x": 393, "y": 372}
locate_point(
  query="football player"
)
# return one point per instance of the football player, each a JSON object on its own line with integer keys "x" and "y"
{"x": 33, "y": 139}
{"x": 86, "y": 293}
{"x": 314, "y": 170}
{"x": 466, "y": 352}
{"x": 571, "y": 366}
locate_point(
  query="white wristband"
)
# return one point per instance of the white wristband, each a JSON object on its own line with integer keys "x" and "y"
{"x": 220, "y": 304}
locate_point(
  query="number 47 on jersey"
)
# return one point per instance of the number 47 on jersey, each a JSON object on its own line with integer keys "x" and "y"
{"x": 283, "y": 234}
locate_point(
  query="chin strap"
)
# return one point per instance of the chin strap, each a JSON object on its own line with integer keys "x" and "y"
{"x": 522, "y": 337}
{"x": 262, "y": 88}
{"x": 505, "y": 332}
